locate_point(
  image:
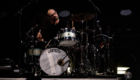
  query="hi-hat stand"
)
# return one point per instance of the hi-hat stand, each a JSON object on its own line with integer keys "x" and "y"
{"x": 85, "y": 65}
{"x": 32, "y": 63}
{"x": 100, "y": 30}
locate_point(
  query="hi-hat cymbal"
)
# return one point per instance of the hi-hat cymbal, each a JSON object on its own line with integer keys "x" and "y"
{"x": 82, "y": 17}
{"x": 86, "y": 31}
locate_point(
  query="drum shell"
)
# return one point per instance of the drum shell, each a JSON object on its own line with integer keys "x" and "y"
{"x": 67, "y": 37}
{"x": 36, "y": 51}
{"x": 36, "y": 44}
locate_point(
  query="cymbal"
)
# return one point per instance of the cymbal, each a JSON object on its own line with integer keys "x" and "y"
{"x": 86, "y": 31}
{"x": 82, "y": 17}
{"x": 99, "y": 37}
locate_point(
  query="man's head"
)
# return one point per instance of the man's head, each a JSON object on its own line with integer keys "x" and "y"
{"x": 53, "y": 15}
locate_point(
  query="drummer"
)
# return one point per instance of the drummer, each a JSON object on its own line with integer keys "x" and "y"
{"x": 51, "y": 31}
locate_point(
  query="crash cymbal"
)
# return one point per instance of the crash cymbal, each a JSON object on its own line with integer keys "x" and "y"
{"x": 99, "y": 37}
{"x": 86, "y": 31}
{"x": 82, "y": 17}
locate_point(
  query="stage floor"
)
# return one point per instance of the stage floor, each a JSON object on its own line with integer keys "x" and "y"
{"x": 62, "y": 79}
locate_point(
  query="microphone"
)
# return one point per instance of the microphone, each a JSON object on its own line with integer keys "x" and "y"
{"x": 55, "y": 18}
{"x": 60, "y": 62}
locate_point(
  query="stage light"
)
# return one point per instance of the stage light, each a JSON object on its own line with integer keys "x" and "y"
{"x": 69, "y": 70}
{"x": 122, "y": 70}
{"x": 126, "y": 12}
{"x": 64, "y": 13}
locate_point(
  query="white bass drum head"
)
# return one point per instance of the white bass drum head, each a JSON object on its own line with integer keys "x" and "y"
{"x": 49, "y": 61}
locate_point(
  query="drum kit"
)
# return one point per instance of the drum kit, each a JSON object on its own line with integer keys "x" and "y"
{"x": 73, "y": 56}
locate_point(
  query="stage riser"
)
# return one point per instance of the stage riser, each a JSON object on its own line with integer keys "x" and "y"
{"x": 60, "y": 79}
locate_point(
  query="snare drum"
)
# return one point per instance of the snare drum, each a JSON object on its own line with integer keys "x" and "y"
{"x": 67, "y": 38}
{"x": 51, "y": 61}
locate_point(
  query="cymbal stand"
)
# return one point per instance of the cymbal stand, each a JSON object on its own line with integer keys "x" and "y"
{"x": 81, "y": 69}
{"x": 32, "y": 47}
{"x": 82, "y": 34}
{"x": 94, "y": 51}
{"x": 100, "y": 30}
{"x": 87, "y": 62}
{"x": 106, "y": 48}
{"x": 20, "y": 30}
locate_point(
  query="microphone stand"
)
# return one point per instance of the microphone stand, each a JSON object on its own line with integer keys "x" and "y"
{"x": 100, "y": 30}
{"x": 20, "y": 33}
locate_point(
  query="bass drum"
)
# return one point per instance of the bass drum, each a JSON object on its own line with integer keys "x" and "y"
{"x": 54, "y": 61}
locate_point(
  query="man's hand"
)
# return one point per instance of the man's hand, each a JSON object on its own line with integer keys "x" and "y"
{"x": 39, "y": 37}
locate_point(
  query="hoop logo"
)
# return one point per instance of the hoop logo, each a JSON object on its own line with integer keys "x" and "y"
{"x": 54, "y": 50}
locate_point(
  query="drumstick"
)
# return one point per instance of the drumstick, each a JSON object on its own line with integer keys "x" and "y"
{"x": 48, "y": 43}
{"x": 72, "y": 21}
{"x": 39, "y": 30}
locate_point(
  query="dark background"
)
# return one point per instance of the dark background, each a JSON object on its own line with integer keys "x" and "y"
{"x": 123, "y": 29}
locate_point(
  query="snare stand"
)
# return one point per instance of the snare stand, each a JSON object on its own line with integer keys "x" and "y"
{"x": 32, "y": 46}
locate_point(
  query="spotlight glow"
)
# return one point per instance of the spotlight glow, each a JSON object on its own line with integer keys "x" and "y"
{"x": 122, "y": 70}
{"x": 126, "y": 12}
{"x": 64, "y": 13}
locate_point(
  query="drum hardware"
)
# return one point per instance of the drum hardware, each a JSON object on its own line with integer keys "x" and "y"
{"x": 81, "y": 69}
{"x": 100, "y": 30}
{"x": 20, "y": 31}
{"x": 96, "y": 54}
{"x": 87, "y": 62}
{"x": 88, "y": 31}
{"x": 94, "y": 50}
{"x": 82, "y": 16}
{"x": 32, "y": 51}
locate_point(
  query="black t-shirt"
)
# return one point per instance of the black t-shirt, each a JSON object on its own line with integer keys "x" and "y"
{"x": 48, "y": 33}
{"x": 51, "y": 31}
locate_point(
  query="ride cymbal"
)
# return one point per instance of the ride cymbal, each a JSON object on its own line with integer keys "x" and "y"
{"x": 86, "y": 31}
{"x": 82, "y": 17}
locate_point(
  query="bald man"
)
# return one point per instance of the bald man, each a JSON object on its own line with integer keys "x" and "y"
{"x": 52, "y": 30}
{"x": 53, "y": 16}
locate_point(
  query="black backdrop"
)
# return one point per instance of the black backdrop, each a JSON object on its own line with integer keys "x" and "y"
{"x": 125, "y": 46}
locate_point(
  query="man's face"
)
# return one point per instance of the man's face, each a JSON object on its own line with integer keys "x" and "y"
{"x": 53, "y": 14}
